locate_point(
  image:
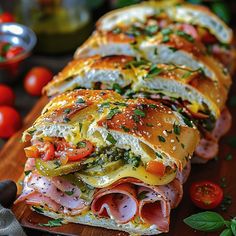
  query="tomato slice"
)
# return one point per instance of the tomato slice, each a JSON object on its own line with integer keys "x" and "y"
{"x": 156, "y": 168}
{"x": 83, "y": 149}
{"x": 206, "y": 194}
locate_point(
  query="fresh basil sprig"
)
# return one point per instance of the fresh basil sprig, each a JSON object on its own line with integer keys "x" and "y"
{"x": 210, "y": 221}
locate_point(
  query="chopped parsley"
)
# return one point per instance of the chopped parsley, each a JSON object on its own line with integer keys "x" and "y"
{"x": 116, "y": 31}
{"x": 139, "y": 112}
{"x": 80, "y": 100}
{"x": 27, "y": 172}
{"x": 66, "y": 119}
{"x": 81, "y": 144}
{"x": 53, "y": 223}
{"x": 113, "y": 112}
{"x": 116, "y": 87}
{"x": 187, "y": 121}
{"x": 223, "y": 183}
{"x": 166, "y": 32}
{"x": 122, "y": 104}
{"x": 38, "y": 209}
{"x": 80, "y": 127}
{"x": 150, "y": 30}
{"x": 188, "y": 37}
{"x": 149, "y": 125}
{"x": 154, "y": 70}
{"x": 70, "y": 192}
{"x": 125, "y": 128}
{"x": 142, "y": 195}
{"x": 176, "y": 129}
{"x": 67, "y": 110}
{"x": 161, "y": 138}
{"x": 152, "y": 106}
{"x": 110, "y": 139}
{"x": 132, "y": 159}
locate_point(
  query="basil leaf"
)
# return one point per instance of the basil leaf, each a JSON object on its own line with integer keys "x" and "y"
{"x": 233, "y": 226}
{"x": 226, "y": 232}
{"x": 205, "y": 221}
{"x": 154, "y": 70}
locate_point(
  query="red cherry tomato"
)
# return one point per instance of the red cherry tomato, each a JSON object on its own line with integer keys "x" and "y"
{"x": 6, "y": 17}
{"x": 13, "y": 51}
{"x": 7, "y": 96}
{"x": 36, "y": 79}
{"x": 156, "y": 168}
{"x": 206, "y": 194}
{"x": 83, "y": 149}
{"x": 10, "y": 121}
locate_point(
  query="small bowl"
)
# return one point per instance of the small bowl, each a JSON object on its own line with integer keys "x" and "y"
{"x": 17, "y": 35}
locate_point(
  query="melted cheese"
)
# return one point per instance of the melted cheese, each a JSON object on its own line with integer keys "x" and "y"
{"x": 127, "y": 171}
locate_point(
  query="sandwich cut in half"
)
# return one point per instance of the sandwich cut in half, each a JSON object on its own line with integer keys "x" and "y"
{"x": 163, "y": 38}
{"x": 99, "y": 159}
{"x": 200, "y": 99}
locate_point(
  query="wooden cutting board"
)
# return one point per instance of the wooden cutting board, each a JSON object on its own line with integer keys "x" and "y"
{"x": 12, "y": 161}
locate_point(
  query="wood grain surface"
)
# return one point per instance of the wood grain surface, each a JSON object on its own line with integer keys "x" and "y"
{"x": 12, "y": 162}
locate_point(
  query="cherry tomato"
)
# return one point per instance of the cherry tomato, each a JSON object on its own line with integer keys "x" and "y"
{"x": 6, "y": 17}
{"x": 10, "y": 121}
{"x": 36, "y": 79}
{"x": 206, "y": 194}
{"x": 156, "y": 168}
{"x": 7, "y": 96}
{"x": 13, "y": 51}
{"x": 83, "y": 149}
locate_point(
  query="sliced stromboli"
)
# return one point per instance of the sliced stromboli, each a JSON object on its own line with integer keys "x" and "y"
{"x": 192, "y": 21}
{"x": 176, "y": 12}
{"x": 142, "y": 76}
{"x": 90, "y": 72}
{"x": 164, "y": 47}
{"x": 103, "y": 118}
{"x": 98, "y": 157}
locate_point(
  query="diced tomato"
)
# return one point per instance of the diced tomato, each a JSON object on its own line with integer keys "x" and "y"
{"x": 206, "y": 194}
{"x": 156, "y": 168}
{"x": 32, "y": 152}
{"x": 6, "y": 17}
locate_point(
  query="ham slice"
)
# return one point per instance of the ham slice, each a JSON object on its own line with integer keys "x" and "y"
{"x": 119, "y": 203}
{"x": 208, "y": 147}
{"x": 153, "y": 209}
{"x": 128, "y": 197}
{"x": 55, "y": 193}
{"x": 182, "y": 176}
